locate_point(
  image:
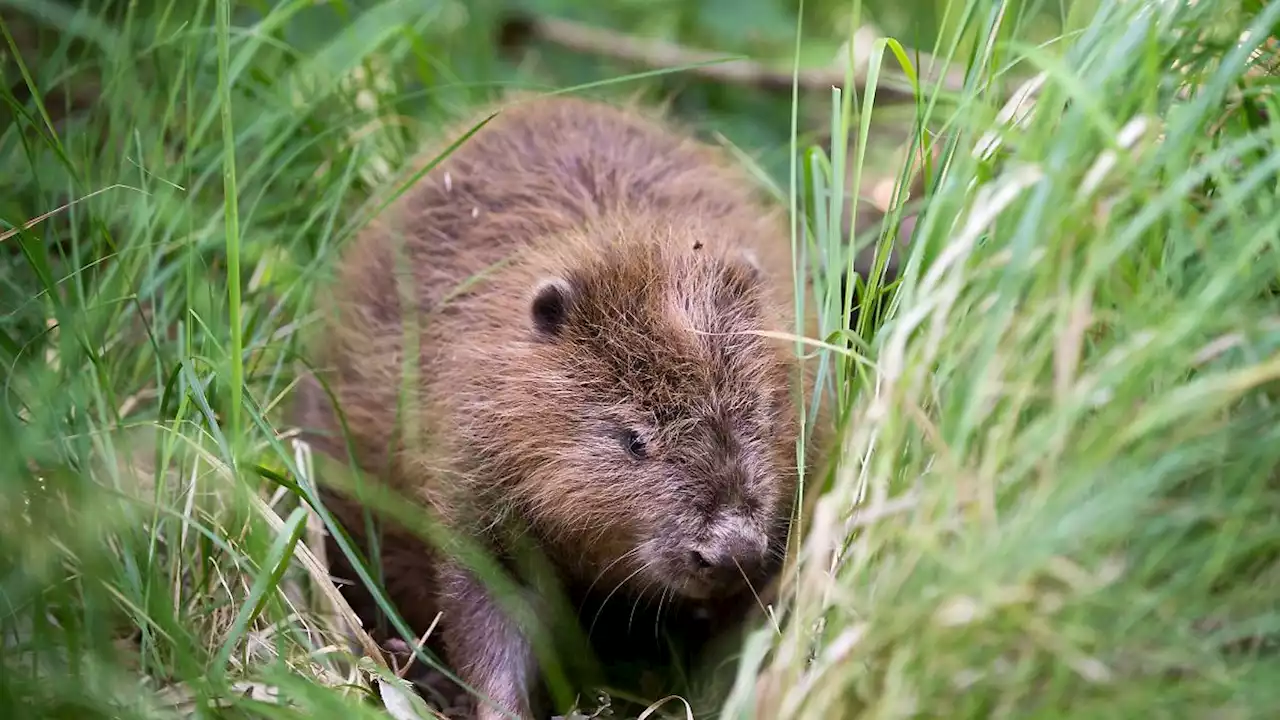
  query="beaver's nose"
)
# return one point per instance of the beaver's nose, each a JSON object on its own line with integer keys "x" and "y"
{"x": 732, "y": 552}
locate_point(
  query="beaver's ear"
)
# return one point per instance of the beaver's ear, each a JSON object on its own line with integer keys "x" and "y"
{"x": 746, "y": 273}
{"x": 751, "y": 262}
{"x": 549, "y": 308}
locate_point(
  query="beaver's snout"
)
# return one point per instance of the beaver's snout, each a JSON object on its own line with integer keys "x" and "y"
{"x": 734, "y": 552}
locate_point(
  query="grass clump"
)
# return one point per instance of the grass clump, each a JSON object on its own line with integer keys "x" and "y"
{"x": 1056, "y": 491}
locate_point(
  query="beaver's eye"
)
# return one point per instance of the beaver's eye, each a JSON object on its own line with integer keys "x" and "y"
{"x": 634, "y": 444}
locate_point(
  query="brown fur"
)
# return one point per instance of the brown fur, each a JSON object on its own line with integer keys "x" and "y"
{"x": 616, "y": 269}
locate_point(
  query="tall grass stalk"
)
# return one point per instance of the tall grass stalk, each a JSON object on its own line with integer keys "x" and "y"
{"x": 232, "y": 219}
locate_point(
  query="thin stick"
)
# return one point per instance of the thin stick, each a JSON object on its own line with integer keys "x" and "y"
{"x": 658, "y": 54}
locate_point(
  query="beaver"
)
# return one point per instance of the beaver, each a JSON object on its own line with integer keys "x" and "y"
{"x": 596, "y": 298}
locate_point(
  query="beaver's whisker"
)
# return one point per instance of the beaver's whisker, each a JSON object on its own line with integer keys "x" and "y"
{"x": 615, "y": 589}
{"x": 609, "y": 567}
{"x": 657, "y": 617}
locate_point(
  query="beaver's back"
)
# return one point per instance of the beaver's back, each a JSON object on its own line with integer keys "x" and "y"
{"x": 542, "y": 167}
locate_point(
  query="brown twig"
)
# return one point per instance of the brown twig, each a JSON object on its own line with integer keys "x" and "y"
{"x": 652, "y": 54}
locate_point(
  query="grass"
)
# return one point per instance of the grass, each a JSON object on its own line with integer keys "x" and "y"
{"x": 1056, "y": 492}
